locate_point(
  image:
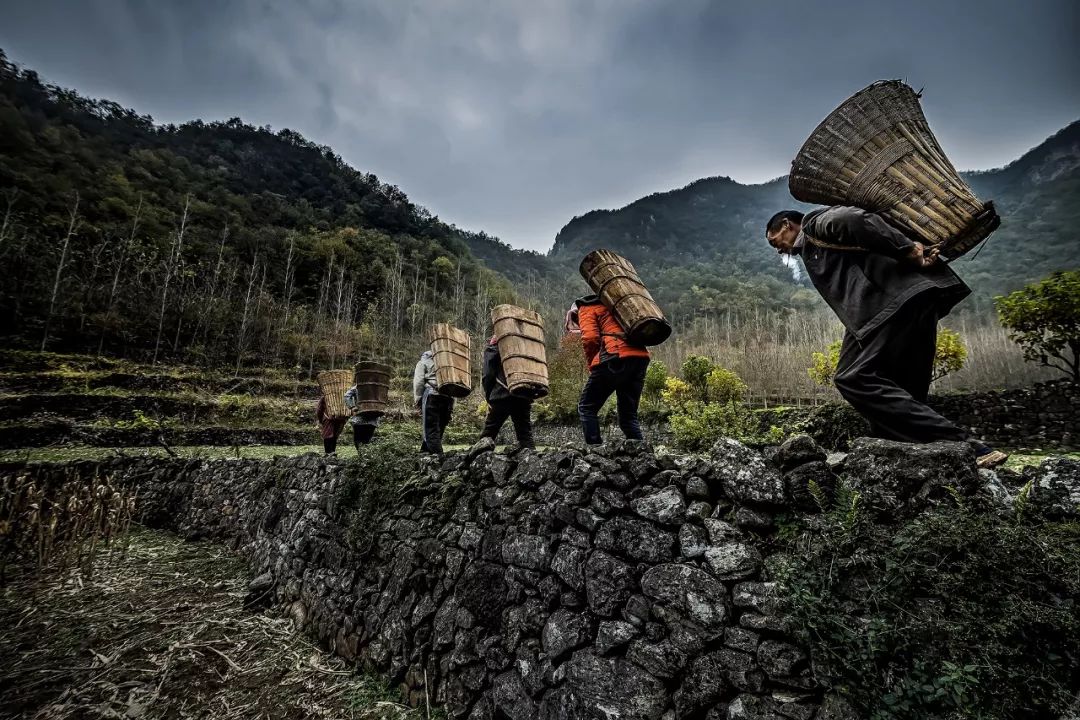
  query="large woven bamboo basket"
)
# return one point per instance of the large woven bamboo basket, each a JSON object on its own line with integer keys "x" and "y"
{"x": 334, "y": 384}
{"x": 520, "y": 335}
{"x": 453, "y": 360}
{"x": 877, "y": 152}
{"x": 614, "y": 279}
{"x": 372, "y": 381}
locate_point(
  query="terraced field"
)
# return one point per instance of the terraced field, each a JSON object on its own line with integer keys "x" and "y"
{"x": 55, "y": 406}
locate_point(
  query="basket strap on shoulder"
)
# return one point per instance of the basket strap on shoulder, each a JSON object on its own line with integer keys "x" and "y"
{"x": 832, "y": 246}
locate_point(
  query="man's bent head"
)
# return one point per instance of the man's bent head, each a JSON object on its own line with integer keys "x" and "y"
{"x": 782, "y": 229}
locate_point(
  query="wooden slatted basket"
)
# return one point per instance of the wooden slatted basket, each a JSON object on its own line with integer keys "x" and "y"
{"x": 452, "y": 348}
{"x": 614, "y": 279}
{"x": 372, "y": 381}
{"x": 334, "y": 384}
{"x": 876, "y": 152}
{"x": 520, "y": 335}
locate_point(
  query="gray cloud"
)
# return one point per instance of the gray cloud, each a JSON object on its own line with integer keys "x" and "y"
{"x": 512, "y": 117}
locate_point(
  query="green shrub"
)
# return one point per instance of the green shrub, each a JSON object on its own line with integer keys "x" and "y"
{"x": 724, "y": 386}
{"x": 695, "y": 371}
{"x": 655, "y": 381}
{"x": 696, "y": 426}
{"x": 373, "y": 482}
{"x": 1044, "y": 319}
{"x": 958, "y": 613}
{"x": 949, "y": 356}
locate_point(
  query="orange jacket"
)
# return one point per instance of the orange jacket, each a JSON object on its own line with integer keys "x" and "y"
{"x": 602, "y": 337}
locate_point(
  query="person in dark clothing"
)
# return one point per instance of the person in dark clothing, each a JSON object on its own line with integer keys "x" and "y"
{"x": 435, "y": 408}
{"x": 615, "y": 366}
{"x": 501, "y": 404}
{"x": 363, "y": 424}
{"x": 329, "y": 426}
{"x": 889, "y": 291}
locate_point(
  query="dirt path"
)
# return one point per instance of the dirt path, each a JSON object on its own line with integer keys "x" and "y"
{"x": 161, "y": 633}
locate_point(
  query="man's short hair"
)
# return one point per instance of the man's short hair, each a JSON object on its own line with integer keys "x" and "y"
{"x": 778, "y": 219}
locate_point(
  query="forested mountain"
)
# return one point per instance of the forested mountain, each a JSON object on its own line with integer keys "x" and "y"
{"x": 702, "y": 251}
{"x": 218, "y": 242}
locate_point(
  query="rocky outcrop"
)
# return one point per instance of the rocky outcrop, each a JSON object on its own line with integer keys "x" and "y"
{"x": 613, "y": 582}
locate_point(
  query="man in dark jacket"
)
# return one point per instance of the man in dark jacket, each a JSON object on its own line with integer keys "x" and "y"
{"x": 889, "y": 291}
{"x": 501, "y": 404}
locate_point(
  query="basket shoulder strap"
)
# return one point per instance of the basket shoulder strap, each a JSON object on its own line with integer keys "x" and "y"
{"x": 832, "y": 246}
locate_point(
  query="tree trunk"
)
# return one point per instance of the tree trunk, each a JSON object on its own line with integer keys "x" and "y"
{"x": 74, "y": 219}
{"x": 174, "y": 254}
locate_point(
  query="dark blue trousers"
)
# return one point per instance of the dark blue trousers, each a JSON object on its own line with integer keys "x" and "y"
{"x": 623, "y": 376}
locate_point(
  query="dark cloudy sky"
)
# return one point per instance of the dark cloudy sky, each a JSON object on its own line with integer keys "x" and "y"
{"x": 512, "y": 116}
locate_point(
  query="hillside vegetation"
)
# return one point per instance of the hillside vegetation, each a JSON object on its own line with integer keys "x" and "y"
{"x": 213, "y": 242}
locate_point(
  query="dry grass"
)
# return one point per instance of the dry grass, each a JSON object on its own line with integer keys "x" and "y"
{"x": 71, "y": 525}
{"x": 162, "y": 633}
{"x": 772, "y": 353}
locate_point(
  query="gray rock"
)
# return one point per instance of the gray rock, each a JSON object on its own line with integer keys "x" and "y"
{"x": 509, "y": 697}
{"x": 703, "y": 685}
{"x": 482, "y": 591}
{"x": 899, "y": 479}
{"x": 692, "y": 541}
{"x": 613, "y": 635}
{"x": 619, "y": 687}
{"x": 636, "y": 539}
{"x": 527, "y": 551}
{"x": 608, "y": 583}
{"x": 744, "y": 475}
{"x": 752, "y": 707}
{"x": 798, "y": 450}
{"x": 532, "y": 471}
{"x": 698, "y": 509}
{"x": 733, "y": 560}
{"x": 741, "y": 639}
{"x": 759, "y": 596}
{"x": 780, "y": 659}
{"x": 808, "y": 483}
{"x": 569, "y": 564}
{"x": 1055, "y": 488}
{"x": 665, "y": 506}
{"x": 667, "y": 657}
{"x": 693, "y": 592}
{"x": 720, "y": 531}
{"x": 605, "y": 501}
{"x": 565, "y": 631}
{"x": 697, "y": 489}
{"x": 753, "y": 519}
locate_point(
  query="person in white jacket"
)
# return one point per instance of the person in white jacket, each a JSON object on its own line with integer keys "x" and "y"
{"x": 434, "y": 407}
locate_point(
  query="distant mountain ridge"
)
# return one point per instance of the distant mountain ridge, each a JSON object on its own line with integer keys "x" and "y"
{"x": 701, "y": 246}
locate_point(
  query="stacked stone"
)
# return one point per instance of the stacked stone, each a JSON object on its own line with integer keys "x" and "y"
{"x": 605, "y": 582}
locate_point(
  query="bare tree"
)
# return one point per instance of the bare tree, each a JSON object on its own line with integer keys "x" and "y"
{"x": 244, "y": 317}
{"x": 174, "y": 255}
{"x": 124, "y": 250}
{"x": 10, "y": 194}
{"x": 72, "y": 224}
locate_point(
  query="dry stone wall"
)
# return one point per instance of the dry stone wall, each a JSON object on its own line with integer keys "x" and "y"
{"x": 613, "y": 582}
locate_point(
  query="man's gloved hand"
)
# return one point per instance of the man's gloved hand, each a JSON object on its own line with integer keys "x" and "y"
{"x": 922, "y": 257}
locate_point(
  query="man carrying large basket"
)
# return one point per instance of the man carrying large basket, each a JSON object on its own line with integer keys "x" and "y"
{"x": 889, "y": 291}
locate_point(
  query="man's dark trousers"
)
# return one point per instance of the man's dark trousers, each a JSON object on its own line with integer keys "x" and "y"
{"x": 518, "y": 410}
{"x": 435, "y": 412}
{"x": 623, "y": 376}
{"x": 886, "y": 376}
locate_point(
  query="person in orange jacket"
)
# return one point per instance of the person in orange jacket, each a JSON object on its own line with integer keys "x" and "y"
{"x": 615, "y": 366}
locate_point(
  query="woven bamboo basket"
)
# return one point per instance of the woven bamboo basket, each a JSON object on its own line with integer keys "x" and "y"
{"x": 453, "y": 360}
{"x": 614, "y": 279}
{"x": 372, "y": 381}
{"x": 334, "y": 384}
{"x": 877, "y": 152}
{"x": 520, "y": 334}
